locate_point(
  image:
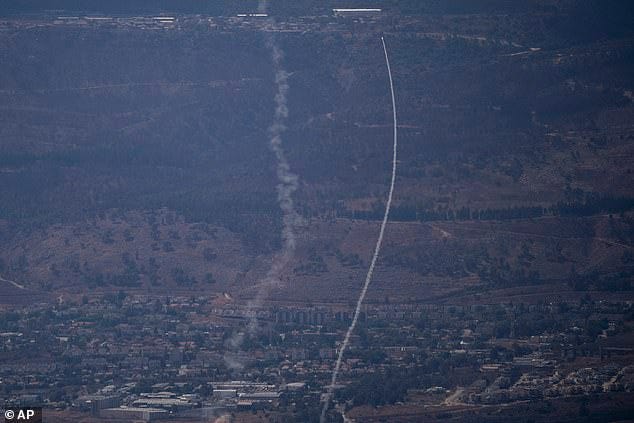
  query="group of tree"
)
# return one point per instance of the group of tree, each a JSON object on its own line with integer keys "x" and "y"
{"x": 589, "y": 206}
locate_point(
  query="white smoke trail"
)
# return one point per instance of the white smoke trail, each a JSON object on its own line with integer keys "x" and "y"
{"x": 377, "y": 248}
{"x": 286, "y": 186}
{"x": 287, "y": 180}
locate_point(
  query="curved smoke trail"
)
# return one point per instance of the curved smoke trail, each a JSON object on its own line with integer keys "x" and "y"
{"x": 377, "y": 248}
{"x": 286, "y": 186}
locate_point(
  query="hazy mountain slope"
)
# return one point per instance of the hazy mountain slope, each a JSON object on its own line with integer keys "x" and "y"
{"x": 131, "y": 140}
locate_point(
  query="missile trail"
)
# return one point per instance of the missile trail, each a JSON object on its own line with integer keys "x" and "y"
{"x": 377, "y": 248}
{"x": 287, "y": 184}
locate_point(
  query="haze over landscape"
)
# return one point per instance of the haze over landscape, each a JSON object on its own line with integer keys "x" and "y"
{"x": 191, "y": 195}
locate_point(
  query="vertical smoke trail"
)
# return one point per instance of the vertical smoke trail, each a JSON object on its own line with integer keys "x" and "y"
{"x": 377, "y": 248}
{"x": 287, "y": 180}
{"x": 286, "y": 186}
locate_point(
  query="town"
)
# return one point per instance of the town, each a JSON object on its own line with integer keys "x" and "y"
{"x": 144, "y": 358}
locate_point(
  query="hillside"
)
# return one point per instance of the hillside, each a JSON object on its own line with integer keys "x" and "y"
{"x": 134, "y": 152}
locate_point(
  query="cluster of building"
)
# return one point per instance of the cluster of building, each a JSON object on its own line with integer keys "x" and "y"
{"x": 163, "y": 400}
{"x": 147, "y": 358}
{"x": 537, "y": 384}
{"x": 243, "y": 21}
